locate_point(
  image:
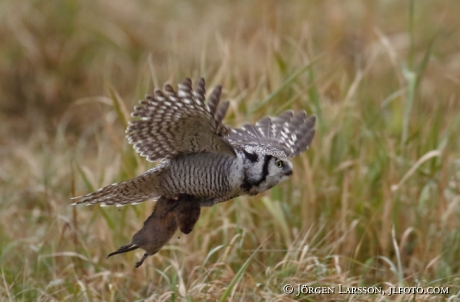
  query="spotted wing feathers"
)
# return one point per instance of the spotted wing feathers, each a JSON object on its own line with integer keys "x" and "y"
{"x": 172, "y": 123}
{"x": 290, "y": 132}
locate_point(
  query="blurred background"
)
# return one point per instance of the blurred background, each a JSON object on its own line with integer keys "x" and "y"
{"x": 373, "y": 202}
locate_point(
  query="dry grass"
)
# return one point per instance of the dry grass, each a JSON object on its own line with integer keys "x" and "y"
{"x": 374, "y": 202}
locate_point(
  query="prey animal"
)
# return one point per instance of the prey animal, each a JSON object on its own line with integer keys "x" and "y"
{"x": 201, "y": 161}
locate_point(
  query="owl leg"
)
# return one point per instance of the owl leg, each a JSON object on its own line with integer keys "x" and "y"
{"x": 187, "y": 212}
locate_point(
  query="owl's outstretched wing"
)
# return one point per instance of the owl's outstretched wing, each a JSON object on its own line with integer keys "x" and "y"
{"x": 289, "y": 132}
{"x": 172, "y": 123}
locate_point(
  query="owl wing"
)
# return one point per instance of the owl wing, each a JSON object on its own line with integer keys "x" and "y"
{"x": 289, "y": 132}
{"x": 172, "y": 123}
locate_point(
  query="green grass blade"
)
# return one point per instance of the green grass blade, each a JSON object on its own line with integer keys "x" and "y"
{"x": 120, "y": 109}
{"x": 410, "y": 54}
{"x": 238, "y": 276}
{"x": 411, "y": 78}
{"x": 109, "y": 220}
{"x": 85, "y": 178}
{"x": 274, "y": 208}
{"x": 286, "y": 83}
{"x": 313, "y": 95}
{"x": 425, "y": 61}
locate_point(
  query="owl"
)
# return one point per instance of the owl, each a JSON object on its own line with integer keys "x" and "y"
{"x": 201, "y": 161}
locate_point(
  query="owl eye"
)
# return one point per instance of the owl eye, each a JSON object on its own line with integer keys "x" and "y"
{"x": 279, "y": 164}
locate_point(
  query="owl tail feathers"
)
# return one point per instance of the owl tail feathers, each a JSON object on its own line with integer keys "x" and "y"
{"x": 133, "y": 191}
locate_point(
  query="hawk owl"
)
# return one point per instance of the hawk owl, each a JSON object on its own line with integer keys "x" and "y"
{"x": 202, "y": 162}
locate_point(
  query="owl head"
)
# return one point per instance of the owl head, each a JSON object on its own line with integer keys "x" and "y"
{"x": 264, "y": 167}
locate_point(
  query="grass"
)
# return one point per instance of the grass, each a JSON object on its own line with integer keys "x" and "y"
{"x": 374, "y": 202}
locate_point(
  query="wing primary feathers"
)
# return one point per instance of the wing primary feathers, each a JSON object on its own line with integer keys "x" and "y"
{"x": 221, "y": 112}
{"x": 305, "y": 135}
{"x": 298, "y": 120}
{"x": 170, "y": 91}
{"x": 251, "y": 130}
{"x": 281, "y": 122}
{"x": 171, "y": 123}
{"x": 290, "y": 132}
{"x": 159, "y": 95}
{"x": 222, "y": 130}
{"x": 265, "y": 126}
{"x": 185, "y": 89}
{"x": 214, "y": 99}
{"x": 200, "y": 91}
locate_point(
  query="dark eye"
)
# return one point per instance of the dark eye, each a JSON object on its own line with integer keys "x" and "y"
{"x": 279, "y": 164}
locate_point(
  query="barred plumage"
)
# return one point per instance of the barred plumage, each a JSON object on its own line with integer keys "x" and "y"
{"x": 288, "y": 132}
{"x": 203, "y": 162}
{"x": 173, "y": 123}
{"x": 198, "y": 174}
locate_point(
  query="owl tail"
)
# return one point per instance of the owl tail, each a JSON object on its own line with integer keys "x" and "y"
{"x": 133, "y": 191}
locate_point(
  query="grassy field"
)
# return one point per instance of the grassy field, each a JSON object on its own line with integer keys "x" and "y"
{"x": 375, "y": 202}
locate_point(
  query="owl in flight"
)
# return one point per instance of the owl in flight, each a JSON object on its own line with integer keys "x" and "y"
{"x": 202, "y": 162}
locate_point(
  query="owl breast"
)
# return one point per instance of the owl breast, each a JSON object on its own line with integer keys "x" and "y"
{"x": 206, "y": 175}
